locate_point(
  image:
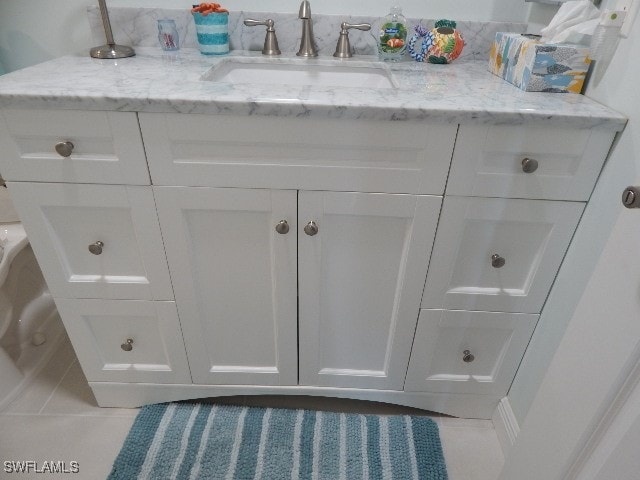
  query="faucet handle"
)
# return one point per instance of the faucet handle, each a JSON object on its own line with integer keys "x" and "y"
{"x": 343, "y": 48}
{"x": 360, "y": 26}
{"x": 270, "y": 40}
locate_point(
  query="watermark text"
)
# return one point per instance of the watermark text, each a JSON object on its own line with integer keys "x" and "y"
{"x": 47, "y": 466}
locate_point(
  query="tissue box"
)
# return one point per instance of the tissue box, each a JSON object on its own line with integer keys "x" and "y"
{"x": 533, "y": 66}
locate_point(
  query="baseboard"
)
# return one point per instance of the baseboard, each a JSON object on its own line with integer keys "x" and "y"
{"x": 506, "y": 425}
{"x": 128, "y": 395}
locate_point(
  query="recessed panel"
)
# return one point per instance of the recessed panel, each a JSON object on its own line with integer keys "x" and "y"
{"x": 234, "y": 286}
{"x": 499, "y": 255}
{"x": 362, "y": 261}
{"x": 76, "y": 228}
{"x": 126, "y": 341}
{"x": 457, "y": 351}
{"x": 95, "y": 241}
{"x": 98, "y": 147}
{"x": 535, "y": 162}
{"x": 474, "y": 272}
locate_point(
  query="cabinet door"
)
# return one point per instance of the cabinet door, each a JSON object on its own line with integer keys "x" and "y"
{"x": 360, "y": 278}
{"x": 126, "y": 341}
{"x": 498, "y": 255}
{"x": 468, "y": 352}
{"x": 234, "y": 278}
{"x": 95, "y": 241}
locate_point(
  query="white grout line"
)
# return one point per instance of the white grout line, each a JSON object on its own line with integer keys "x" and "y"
{"x": 57, "y": 385}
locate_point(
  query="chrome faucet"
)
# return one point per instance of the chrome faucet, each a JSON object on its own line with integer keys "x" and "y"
{"x": 307, "y": 42}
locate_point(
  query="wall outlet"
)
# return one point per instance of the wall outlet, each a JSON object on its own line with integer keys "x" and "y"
{"x": 631, "y": 7}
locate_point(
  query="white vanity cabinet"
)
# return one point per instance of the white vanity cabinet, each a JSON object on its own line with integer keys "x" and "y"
{"x": 230, "y": 255}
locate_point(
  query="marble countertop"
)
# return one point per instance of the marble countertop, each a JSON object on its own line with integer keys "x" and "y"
{"x": 156, "y": 81}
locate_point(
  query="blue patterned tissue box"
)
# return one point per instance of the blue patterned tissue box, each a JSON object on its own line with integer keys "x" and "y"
{"x": 533, "y": 66}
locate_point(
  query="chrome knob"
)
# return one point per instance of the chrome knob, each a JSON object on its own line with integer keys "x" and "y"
{"x": 631, "y": 197}
{"x": 127, "y": 346}
{"x": 497, "y": 261}
{"x": 529, "y": 165}
{"x": 282, "y": 227}
{"x": 311, "y": 228}
{"x": 467, "y": 356}
{"x": 64, "y": 149}
{"x": 96, "y": 248}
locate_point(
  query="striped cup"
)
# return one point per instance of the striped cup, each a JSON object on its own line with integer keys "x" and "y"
{"x": 213, "y": 33}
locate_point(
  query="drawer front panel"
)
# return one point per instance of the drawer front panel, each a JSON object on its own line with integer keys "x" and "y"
{"x": 527, "y": 162}
{"x": 107, "y": 147}
{"x": 126, "y": 341}
{"x": 528, "y": 239}
{"x": 312, "y": 154}
{"x": 467, "y": 352}
{"x": 95, "y": 241}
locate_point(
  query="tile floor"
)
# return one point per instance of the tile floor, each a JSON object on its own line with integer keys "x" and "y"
{"x": 56, "y": 418}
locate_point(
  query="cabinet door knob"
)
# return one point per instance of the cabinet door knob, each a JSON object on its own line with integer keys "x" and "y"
{"x": 529, "y": 165}
{"x": 64, "y": 149}
{"x": 631, "y": 197}
{"x": 96, "y": 248}
{"x": 127, "y": 346}
{"x": 282, "y": 227}
{"x": 467, "y": 356}
{"x": 311, "y": 228}
{"x": 497, "y": 261}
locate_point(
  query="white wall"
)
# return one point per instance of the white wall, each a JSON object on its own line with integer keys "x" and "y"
{"x": 32, "y": 31}
{"x": 484, "y": 10}
{"x": 618, "y": 89}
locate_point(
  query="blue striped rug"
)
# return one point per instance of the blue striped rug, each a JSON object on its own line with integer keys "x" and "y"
{"x": 208, "y": 441}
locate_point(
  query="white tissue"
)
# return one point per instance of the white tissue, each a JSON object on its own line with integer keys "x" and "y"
{"x": 575, "y": 22}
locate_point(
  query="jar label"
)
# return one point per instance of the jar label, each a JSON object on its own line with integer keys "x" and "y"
{"x": 393, "y": 37}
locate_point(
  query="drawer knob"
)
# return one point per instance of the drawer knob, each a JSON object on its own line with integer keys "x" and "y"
{"x": 282, "y": 227}
{"x": 497, "y": 261}
{"x": 64, "y": 149}
{"x": 127, "y": 346}
{"x": 311, "y": 228}
{"x": 529, "y": 165}
{"x": 467, "y": 356}
{"x": 96, "y": 248}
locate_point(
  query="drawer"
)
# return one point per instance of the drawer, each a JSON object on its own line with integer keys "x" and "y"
{"x": 458, "y": 351}
{"x": 107, "y": 147}
{"x": 126, "y": 341}
{"x": 498, "y": 255}
{"x": 287, "y": 153}
{"x": 527, "y": 162}
{"x": 95, "y": 241}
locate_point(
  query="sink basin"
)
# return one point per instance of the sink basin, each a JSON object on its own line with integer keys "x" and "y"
{"x": 301, "y": 73}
